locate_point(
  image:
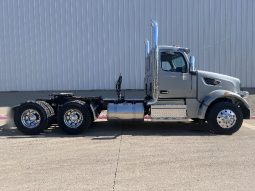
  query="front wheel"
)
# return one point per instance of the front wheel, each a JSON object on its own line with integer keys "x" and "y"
{"x": 225, "y": 118}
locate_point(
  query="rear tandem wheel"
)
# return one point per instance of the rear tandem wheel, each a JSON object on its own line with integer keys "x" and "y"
{"x": 33, "y": 117}
{"x": 74, "y": 117}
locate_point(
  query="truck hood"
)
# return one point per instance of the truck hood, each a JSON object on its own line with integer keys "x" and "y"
{"x": 227, "y": 82}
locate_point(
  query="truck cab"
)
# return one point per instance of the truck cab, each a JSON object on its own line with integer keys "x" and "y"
{"x": 173, "y": 84}
{"x": 174, "y": 77}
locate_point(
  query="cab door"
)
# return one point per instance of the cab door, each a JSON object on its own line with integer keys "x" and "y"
{"x": 174, "y": 77}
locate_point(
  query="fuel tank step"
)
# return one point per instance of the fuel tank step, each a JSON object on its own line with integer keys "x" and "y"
{"x": 168, "y": 112}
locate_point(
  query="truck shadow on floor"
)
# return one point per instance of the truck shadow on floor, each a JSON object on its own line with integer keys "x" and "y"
{"x": 112, "y": 130}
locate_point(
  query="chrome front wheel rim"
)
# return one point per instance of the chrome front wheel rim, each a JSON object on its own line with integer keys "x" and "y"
{"x": 226, "y": 118}
{"x": 30, "y": 118}
{"x": 73, "y": 118}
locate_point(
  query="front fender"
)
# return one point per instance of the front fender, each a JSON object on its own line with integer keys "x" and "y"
{"x": 218, "y": 94}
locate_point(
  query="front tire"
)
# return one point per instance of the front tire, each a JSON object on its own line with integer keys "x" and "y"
{"x": 74, "y": 117}
{"x": 225, "y": 118}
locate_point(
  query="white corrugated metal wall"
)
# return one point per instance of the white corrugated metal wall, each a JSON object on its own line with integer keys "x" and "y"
{"x": 85, "y": 44}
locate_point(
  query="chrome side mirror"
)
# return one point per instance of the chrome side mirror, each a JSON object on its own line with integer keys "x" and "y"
{"x": 192, "y": 66}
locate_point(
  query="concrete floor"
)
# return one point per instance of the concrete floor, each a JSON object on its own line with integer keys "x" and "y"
{"x": 127, "y": 156}
{"x": 130, "y": 156}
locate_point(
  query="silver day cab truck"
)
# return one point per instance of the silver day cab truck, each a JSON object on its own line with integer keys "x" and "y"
{"x": 174, "y": 91}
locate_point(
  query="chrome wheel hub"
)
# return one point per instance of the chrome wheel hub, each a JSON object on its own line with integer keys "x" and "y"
{"x": 73, "y": 118}
{"x": 30, "y": 118}
{"x": 226, "y": 118}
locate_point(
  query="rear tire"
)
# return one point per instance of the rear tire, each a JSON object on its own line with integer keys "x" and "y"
{"x": 74, "y": 117}
{"x": 31, "y": 118}
{"x": 225, "y": 118}
{"x": 50, "y": 111}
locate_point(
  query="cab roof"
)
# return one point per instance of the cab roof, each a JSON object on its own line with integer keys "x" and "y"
{"x": 175, "y": 48}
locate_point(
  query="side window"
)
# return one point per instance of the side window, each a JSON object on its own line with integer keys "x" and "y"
{"x": 165, "y": 65}
{"x": 174, "y": 62}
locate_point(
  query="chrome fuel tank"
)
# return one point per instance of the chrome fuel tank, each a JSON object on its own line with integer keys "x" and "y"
{"x": 125, "y": 111}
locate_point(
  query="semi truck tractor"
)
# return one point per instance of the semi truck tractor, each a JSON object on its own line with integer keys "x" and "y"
{"x": 173, "y": 91}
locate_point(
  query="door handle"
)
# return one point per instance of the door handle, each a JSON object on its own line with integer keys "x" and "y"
{"x": 163, "y": 92}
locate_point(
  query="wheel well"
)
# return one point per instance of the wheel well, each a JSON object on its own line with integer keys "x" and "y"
{"x": 244, "y": 109}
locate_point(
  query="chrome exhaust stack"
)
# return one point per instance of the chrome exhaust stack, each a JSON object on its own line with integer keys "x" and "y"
{"x": 154, "y": 32}
{"x": 154, "y": 25}
{"x": 155, "y": 95}
{"x": 147, "y": 48}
